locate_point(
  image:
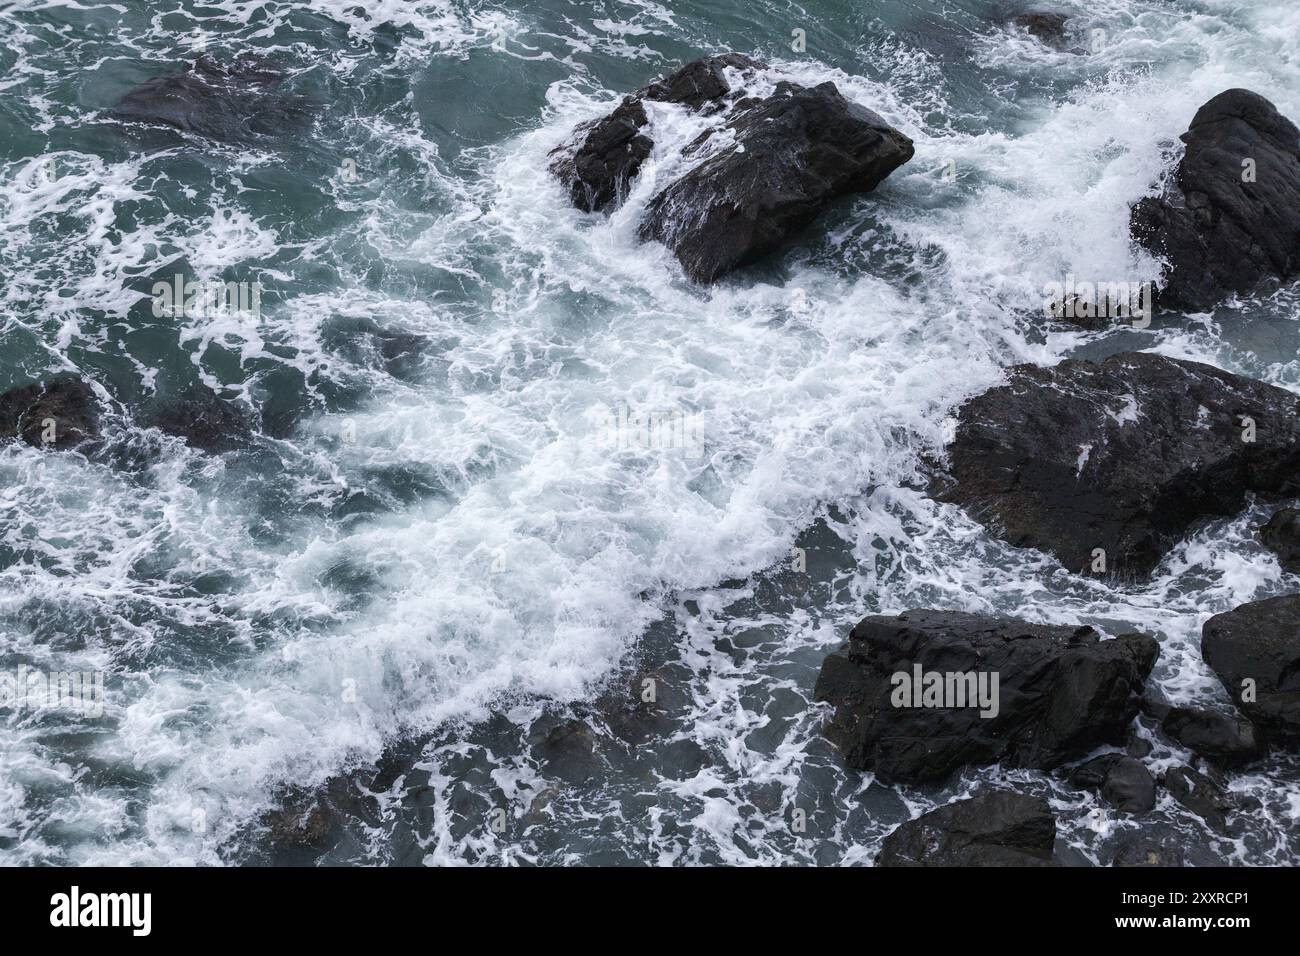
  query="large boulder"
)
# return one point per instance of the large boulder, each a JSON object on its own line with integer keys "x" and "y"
{"x": 61, "y": 413}
{"x": 1060, "y": 693}
{"x": 1229, "y": 221}
{"x": 1107, "y": 464}
{"x": 763, "y": 171}
{"x": 994, "y": 828}
{"x": 1045, "y": 26}
{"x": 1255, "y": 651}
{"x": 233, "y": 100}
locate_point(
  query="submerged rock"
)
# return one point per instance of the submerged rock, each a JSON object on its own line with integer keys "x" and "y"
{"x": 1106, "y": 465}
{"x": 1229, "y": 221}
{"x": 995, "y": 828}
{"x": 1255, "y": 651}
{"x": 205, "y": 421}
{"x": 1282, "y": 535}
{"x": 61, "y": 413}
{"x": 1046, "y": 27}
{"x": 227, "y": 101}
{"x": 768, "y": 169}
{"x": 1125, "y": 783}
{"x": 1061, "y": 692}
{"x": 1222, "y": 738}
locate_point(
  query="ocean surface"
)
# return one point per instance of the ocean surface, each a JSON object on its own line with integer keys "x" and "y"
{"x": 433, "y": 614}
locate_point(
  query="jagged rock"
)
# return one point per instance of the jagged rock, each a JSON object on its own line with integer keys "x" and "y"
{"x": 565, "y": 748}
{"x": 1124, "y": 783}
{"x": 794, "y": 152}
{"x": 599, "y": 164}
{"x": 228, "y": 101}
{"x": 1222, "y": 738}
{"x": 1201, "y": 795}
{"x": 1062, "y": 692}
{"x": 1255, "y": 651}
{"x": 61, "y": 413}
{"x": 1229, "y": 222}
{"x": 995, "y": 828}
{"x": 1121, "y": 455}
{"x": 1282, "y": 534}
{"x": 765, "y": 172}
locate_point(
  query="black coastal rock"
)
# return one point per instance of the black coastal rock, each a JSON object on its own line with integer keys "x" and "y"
{"x": 1229, "y": 221}
{"x": 1062, "y": 692}
{"x": 1255, "y": 651}
{"x": 994, "y": 828}
{"x": 1121, "y": 455}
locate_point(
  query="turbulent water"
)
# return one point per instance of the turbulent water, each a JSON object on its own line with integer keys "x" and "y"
{"x": 422, "y": 609}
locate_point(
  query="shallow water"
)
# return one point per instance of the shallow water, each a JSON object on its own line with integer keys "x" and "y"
{"x": 433, "y": 559}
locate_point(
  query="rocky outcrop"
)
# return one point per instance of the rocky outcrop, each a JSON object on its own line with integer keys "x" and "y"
{"x": 1255, "y": 651}
{"x": 1107, "y": 464}
{"x": 1229, "y": 221}
{"x": 1060, "y": 693}
{"x": 761, "y": 173}
{"x": 61, "y": 413}
{"x": 1220, "y": 738}
{"x": 995, "y": 828}
{"x": 1124, "y": 783}
{"x": 1281, "y": 534}
{"x": 229, "y": 101}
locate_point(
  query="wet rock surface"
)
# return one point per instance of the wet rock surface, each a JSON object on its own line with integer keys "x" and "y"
{"x": 1124, "y": 783}
{"x": 1115, "y": 460}
{"x": 1281, "y": 534}
{"x": 1229, "y": 221}
{"x": 767, "y": 173}
{"x": 61, "y": 413}
{"x": 1062, "y": 692}
{"x": 995, "y": 828}
{"x": 1255, "y": 651}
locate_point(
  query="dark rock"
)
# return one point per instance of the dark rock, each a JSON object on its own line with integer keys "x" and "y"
{"x": 205, "y": 421}
{"x": 1255, "y": 651}
{"x": 1201, "y": 795}
{"x": 1124, "y": 783}
{"x": 1218, "y": 233}
{"x": 1222, "y": 738}
{"x": 793, "y": 153}
{"x": 779, "y": 162}
{"x": 1047, "y": 28}
{"x": 995, "y": 828}
{"x": 565, "y": 748}
{"x": 1282, "y": 535}
{"x": 228, "y": 101}
{"x": 1148, "y": 851}
{"x": 606, "y": 155}
{"x": 1062, "y": 692}
{"x": 1121, "y": 455}
{"x": 63, "y": 410}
